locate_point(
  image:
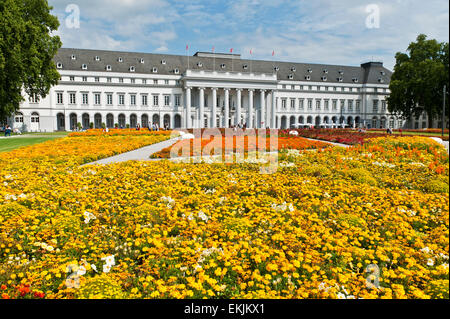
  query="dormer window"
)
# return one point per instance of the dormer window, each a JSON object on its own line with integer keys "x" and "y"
{"x": 73, "y": 57}
{"x": 308, "y": 77}
{"x": 120, "y": 59}
{"x": 293, "y": 69}
{"x": 222, "y": 66}
{"x": 309, "y": 70}
{"x": 97, "y": 58}
{"x": 132, "y": 69}
{"x": 325, "y": 71}
{"x": 290, "y": 76}
{"x": 59, "y": 65}
{"x": 84, "y": 66}
{"x": 355, "y": 80}
{"x": 108, "y": 68}
{"x": 245, "y": 66}
{"x": 341, "y": 72}
{"x": 383, "y": 73}
{"x": 142, "y": 61}
{"x": 340, "y": 79}
{"x": 199, "y": 64}
{"x": 155, "y": 70}
{"x": 176, "y": 71}
{"x": 324, "y": 78}
{"x": 276, "y": 68}
{"x": 380, "y": 80}
{"x": 163, "y": 62}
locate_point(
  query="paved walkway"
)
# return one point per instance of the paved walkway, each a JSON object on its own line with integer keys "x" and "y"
{"x": 440, "y": 141}
{"x": 141, "y": 154}
{"x": 332, "y": 143}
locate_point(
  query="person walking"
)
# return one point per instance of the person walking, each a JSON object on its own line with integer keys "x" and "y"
{"x": 7, "y": 131}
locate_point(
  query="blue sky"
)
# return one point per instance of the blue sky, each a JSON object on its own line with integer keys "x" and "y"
{"x": 319, "y": 31}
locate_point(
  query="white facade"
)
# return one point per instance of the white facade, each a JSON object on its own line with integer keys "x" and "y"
{"x": 197, "y": 98}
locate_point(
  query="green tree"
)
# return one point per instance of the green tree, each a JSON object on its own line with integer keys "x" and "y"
{"x": 27, "y": 48}
{"x": 419, "y": 78}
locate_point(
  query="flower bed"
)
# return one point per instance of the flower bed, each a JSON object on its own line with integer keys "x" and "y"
{"x": 166, "y": 230}
{"x": 240, "y": 144}
{"x": 120, "y": 132}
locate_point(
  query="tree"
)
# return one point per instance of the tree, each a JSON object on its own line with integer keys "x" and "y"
{"x": 418, "y": 79}
{"x": 27, "y": 49}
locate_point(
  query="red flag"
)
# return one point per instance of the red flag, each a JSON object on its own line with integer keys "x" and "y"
{"x": 273, "y": 52}
{"x": 251, "y": 51}
{"x": 231, "y": 50}
{"x": 187, "y": 47}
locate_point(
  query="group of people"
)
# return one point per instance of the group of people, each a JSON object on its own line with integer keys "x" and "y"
{"x": 8, "y": 130}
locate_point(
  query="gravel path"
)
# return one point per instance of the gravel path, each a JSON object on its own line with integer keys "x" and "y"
{"x": 141, "y": 154}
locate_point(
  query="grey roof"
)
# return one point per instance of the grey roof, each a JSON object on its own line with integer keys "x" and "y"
{"x": 370, "y": 72}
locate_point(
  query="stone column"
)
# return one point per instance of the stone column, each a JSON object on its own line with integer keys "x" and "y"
{"x": 250, "y": 109}
{"x": 214, "y": 108}
{"x": 238, "y": 106}
{"x": 263, "y": 110}
{"x": 201, "y": 123}
{"x": 188, "y": 107}
{"x": 274, "y": 108}
{"x": 227, "y": 108}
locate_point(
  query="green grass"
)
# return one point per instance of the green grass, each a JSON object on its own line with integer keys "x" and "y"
{"x": 412, "y": 133}
{"x": 9, "y": 144}
{"x": 54, "y": 134}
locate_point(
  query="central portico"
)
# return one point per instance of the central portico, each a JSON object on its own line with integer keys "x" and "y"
{"x": 224, "y": 99}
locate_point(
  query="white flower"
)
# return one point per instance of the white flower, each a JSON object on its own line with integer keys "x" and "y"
{"x": 430, "y": 262}
{"x": 94, "y": 267}
{"x": 88, "y": 217}
{"x": 425, "y": 250}
{"x": 203, "y": 216}
{"x": 109, "y": 260}
{"x": 341, "y": 296}
{"x": 106, "y": 268}
{"x": 81, "y": 271}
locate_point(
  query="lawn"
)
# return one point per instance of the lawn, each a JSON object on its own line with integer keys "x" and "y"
{"x": 9, "y": 144}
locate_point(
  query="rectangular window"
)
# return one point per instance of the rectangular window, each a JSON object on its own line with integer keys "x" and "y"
{"x": 133, "y": 99}
{"x": 59, "y": 98}
{"x": 72, "y": 78}
{"x": 301, "y": 103}
{"x": 84, "y": 78}
{"x": 97, "y": 99}
{"x": 342, "y": 105}
{"x": 97, "y": 79}
{"x": 310, "y": 104}
{"x": 155, "y": 82}
{"x": 155, "y": 100}
{"x": 383, "y": 106}
{"x": 133, "y": 81}
{"x": 72, "y": 98}
{"x": 121, "y": 99}
{"x": 85, "y": 99}
{"x": 177, "y": 100}
{"x": 144, "y": 100}
{"x": 166, "y": 82}
{"x": 334, "y": 105}
{"x": 358, "y": 106}
{"x": 120, "y": 80}
{"x": 375, "y": 106}
{"x": 283, "y": 104}
{"x": 292, "y": 104}
{"x": 144, "y": 81}
{"x": 318, "y": 104}
{"x": 166, "y": 100}
{"x": 109, "y": 98}
{"x": 327, "y": 105}
{"x": 109, "y": 80}
{"x": 350, "y": 105}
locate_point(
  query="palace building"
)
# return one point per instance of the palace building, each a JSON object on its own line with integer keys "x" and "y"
{"x": 121, "y": 89}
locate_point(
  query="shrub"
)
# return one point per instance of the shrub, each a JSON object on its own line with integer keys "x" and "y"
{"x": 361, "y": 175}
{"x": 317, "y": 171}
{"x": 437, "y": 185}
